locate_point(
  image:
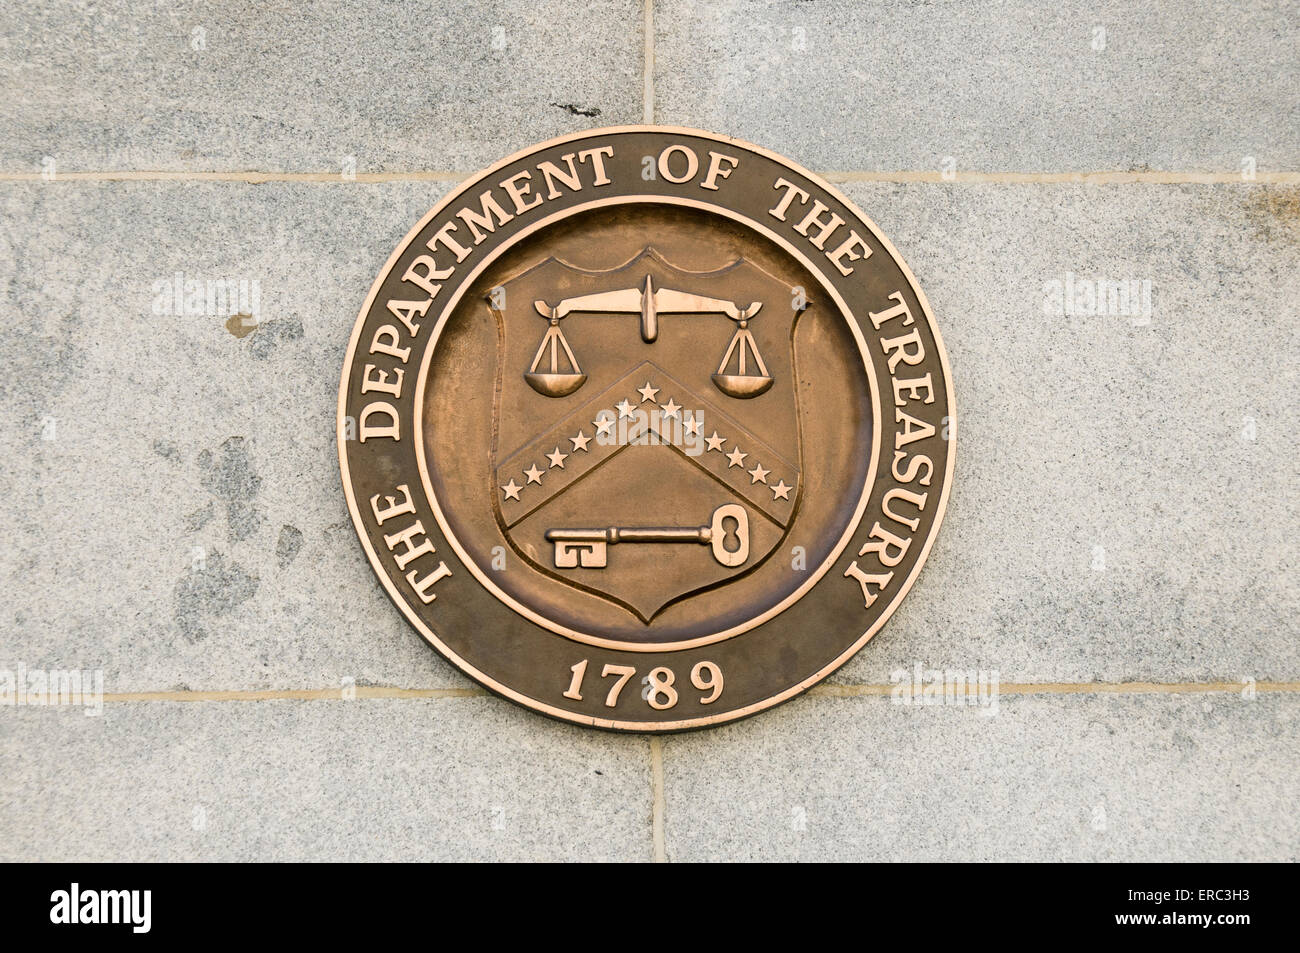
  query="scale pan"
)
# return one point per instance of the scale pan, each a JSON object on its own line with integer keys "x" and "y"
{"x": 741, "y": 385}
{"x": 556, "y": 385}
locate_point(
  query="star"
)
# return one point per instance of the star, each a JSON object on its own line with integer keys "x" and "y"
{"x": 624, "y": 409}
{"x": 692, "y": 427}
{"x": 759, "y": 474}
{"x": 580, "y": 441}
{"x": 670, "y": 409}
{"x": 556, "y": 458}
{"x": 737, "y": 458}
{"x": 534, "y": 475}
{"x": 512, "y": 489}
{"x": 603, "y": 424}
{"x": 715, "y": 442}
{"x": 781, "y": 491}
{"x": 648, "y": 392}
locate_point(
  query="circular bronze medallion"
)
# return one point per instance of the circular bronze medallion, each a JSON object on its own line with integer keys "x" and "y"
{"x": 646, "y": 428}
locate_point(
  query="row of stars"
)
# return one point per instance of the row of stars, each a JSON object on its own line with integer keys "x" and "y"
{"x": 736, "y": 458}
{"x": 604, "y": 424}
{"x": 556, "y": 459}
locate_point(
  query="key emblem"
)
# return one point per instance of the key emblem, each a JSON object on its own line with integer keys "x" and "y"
{"x": 588, "y": 548}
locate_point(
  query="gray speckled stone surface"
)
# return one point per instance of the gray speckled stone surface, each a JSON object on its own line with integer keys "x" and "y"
{"x": 185, "y": 525}
{"x": 1167, "y": 444}
{"x": 1047, "y": 778}
{"x": 453, "y": 779}
{"x": 996, "y": 86}
{"x": 395, "y": 85}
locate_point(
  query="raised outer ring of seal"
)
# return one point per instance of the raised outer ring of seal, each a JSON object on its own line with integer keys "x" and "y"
{"x": 620, "y": 724}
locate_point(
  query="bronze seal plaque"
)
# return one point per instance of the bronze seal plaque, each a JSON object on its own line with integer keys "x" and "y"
{"x": 646, "y": 428}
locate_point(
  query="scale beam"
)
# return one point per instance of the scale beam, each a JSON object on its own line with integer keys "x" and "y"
{"x": 649, "y": 302}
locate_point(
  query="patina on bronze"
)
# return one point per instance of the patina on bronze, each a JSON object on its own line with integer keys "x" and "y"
{"x": 646, "y": 428}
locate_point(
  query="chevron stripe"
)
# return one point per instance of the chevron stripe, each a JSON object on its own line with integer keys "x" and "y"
{"x": 548, "y": 465}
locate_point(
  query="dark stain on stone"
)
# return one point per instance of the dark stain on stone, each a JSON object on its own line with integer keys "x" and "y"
{"x": 273, "y": 334}
{"x": 1275, "y": 213}
{"x": 287, "y": 546}
{"x": 229, "y": 476}
{"x": 575, "y": 110}
{"x": 209, "y": 591}
{"x": 37, "y": 366}
{"x": 167, "y": 450}
{"x": 200, "y": 518}
{"x": 241, "y": 325}
{"x": 243, "y": 519}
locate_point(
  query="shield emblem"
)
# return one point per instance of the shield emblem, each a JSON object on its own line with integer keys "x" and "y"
{"x": 671, "y": 461}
